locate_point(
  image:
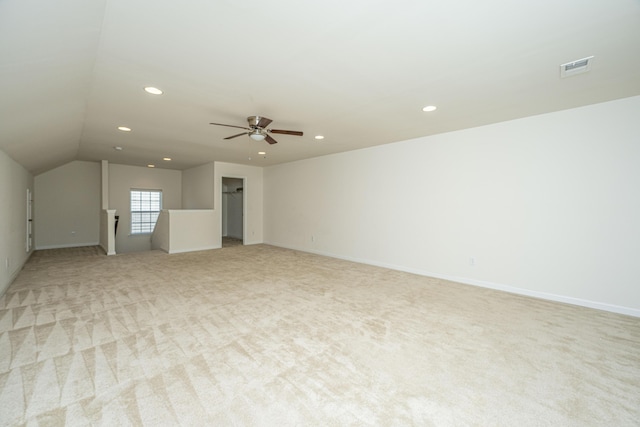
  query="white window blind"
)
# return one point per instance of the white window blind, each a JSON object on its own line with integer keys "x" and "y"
{"x": 145, "y": 208}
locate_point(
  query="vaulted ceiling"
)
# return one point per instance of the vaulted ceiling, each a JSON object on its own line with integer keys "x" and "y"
{"x": 357, "y": 72}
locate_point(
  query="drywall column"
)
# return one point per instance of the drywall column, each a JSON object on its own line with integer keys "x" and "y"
{"x": 107, "y": 234}
{"x": 105, "y": 184}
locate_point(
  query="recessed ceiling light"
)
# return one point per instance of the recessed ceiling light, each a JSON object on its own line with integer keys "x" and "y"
{"x": 166, "y": 159}
{"x": 153, "y": 90}
{"x": 430, "y": 108}
{"x": 124, "y": 129}
{"x": 151, "y": 166}
{"x": 262, "y": 153}
{"x": 117, "y": 148}
{"x": 319, "y": 137}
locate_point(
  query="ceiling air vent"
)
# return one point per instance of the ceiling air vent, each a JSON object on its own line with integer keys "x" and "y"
{"x": 576, "y": 67}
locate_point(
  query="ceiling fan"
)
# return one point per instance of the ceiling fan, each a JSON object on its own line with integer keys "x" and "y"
{"x": 257, "y": 129}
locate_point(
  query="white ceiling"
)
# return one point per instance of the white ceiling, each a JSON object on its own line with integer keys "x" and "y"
{"x": 357, "y": 72}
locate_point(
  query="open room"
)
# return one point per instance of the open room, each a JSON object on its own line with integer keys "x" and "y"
{"x": 387, "y": 213}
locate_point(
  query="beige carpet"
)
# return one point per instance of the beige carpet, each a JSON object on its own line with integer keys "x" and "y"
{"x": 257, "y": 335}
{"x": 228, "y": 242}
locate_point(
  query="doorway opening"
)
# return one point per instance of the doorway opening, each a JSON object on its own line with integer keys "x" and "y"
{"x": 232, "y": 212}
{"x": 29, "y": 240}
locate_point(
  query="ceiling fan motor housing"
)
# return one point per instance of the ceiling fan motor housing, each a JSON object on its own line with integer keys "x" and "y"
{"x": 254, "y": 121}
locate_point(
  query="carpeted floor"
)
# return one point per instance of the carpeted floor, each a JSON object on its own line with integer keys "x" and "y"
{"x": 258, "y": 335}
{"x": 228, "y": 242}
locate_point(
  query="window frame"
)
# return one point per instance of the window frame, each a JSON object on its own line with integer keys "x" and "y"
{"x": 140, "y": 227}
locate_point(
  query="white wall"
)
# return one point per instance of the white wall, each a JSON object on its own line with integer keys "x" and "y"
{"x": 14, "y": 182}
{"x": 192, "y": 230}
{"x": 253, "y": 199}
{"x": 122, "y": 179}
{"x": 67, "y": 202}
{"x": 546, "y": 206}
{"x": 197, "y": 187}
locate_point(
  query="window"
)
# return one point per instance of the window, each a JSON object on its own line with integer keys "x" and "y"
{"x": 145, "y": 208}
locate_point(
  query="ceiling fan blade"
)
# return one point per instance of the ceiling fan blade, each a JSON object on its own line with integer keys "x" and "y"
{"x": 264, "y": 122}
{"x": 286, "y": 132}
{"x": 230, "y": 126}
{"x": 234, "y": 136}
{"x": 270, "y": 140}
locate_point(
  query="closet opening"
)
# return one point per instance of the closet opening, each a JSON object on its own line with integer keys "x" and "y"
{"x": 232, "y": 212}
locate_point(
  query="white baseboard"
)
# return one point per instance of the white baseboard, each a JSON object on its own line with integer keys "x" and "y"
{"x": 106, "y": 251}
{"x": 12, "y": 277}
{"x": 14, "y": 274}
{"x": 544, "y": 295}
{"x": 204, "y": 248}
{"x": 629, "y": 311}
{"x": 74, "y": 245}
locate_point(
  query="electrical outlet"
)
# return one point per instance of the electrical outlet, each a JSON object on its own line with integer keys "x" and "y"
{"x": 472, "y": 261}
{"x": 313, "y": 238}
{"x": 6, "y": 263}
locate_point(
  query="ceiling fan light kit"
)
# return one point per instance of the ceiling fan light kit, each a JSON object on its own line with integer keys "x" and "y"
{"x": 257, "y": 135}
{"x": 258, "y": 131}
